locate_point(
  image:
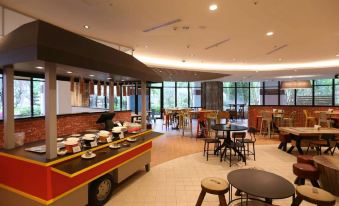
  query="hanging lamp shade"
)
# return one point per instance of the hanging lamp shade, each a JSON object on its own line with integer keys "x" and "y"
{"x": 302, "y": 84}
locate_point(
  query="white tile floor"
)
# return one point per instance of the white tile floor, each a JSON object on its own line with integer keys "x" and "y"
{"x": 177, "y": 182}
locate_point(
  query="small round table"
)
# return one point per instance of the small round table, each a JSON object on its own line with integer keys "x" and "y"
{"x": 224, "y": 128}
{"x": 328, "y": 167}
{"x": 260, "y": 184}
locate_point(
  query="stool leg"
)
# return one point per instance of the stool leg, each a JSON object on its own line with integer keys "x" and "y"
{"x": 208, "y": 148}
{"x": 296, "y": 201}
{"x": 222, "y": 200}
{"x": 201, "y": 198}
{"x": 315, "y": 183}
{"x": 253, "y": 151}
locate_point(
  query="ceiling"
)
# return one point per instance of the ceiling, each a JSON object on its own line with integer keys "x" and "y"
{"x": 305, "y": 40}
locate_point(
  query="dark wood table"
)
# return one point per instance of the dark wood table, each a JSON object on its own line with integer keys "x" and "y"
{"x": 260, "y": 184}
{"x": 227, "y": 140}
{"x": 328, "y": 167}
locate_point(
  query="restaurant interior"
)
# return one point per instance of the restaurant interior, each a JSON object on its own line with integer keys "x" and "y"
{"x": 171, "y": 103}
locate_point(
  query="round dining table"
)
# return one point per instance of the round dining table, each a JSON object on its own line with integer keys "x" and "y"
{"x": 260, "y": 184}
{"x": 227, "y": 139}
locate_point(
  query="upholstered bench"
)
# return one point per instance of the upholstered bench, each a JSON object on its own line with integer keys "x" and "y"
{"x": 305, "y": 171}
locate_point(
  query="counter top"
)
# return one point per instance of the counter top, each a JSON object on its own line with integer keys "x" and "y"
{"x": 20, "y": 153}
{"x": 75, "y": 165}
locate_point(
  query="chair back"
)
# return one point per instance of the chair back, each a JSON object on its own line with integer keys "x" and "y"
{"x": 267, "y": 115}
{"x": 251, "y": 131}
{"x": 305, "y": 113}
{"x": 239, "y": 135}
{"x": 322, "y": 117}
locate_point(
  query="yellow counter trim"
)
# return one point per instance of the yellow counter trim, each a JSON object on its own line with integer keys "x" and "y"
{"x": 24, "y": 194}
{"x": 102, "y": 162}
{"x": 70, "y": 156}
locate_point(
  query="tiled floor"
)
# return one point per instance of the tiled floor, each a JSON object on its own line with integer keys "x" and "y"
{"x": 177, "y": 182}
{"x": 178, "y": 167}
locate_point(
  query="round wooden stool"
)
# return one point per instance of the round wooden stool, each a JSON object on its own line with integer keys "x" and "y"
{"x": 313, "y": 195}
{"x": 307, "y": 159}
{"x": 305, "y": 171}
{"x": 215, "y": 186}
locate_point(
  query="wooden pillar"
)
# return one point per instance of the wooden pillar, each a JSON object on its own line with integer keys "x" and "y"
{"x": 212, "y": 95}
{"x": 50, "y": 105}
{"x": 111, "y": 97}
{"x": 8, "y": 84}
{"x": 143, "y": 104}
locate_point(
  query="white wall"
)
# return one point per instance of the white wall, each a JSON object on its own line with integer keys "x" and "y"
{"x": 10, "y": 20}
{"x": 64, "y": 96}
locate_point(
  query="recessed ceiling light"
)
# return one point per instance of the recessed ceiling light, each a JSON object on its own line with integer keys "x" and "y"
{"x": 86, "y": 26}
{"x": 270, "y": 33}
{"x": 91, "y": 75}
{"x": 123, "y": 80}
{"x": 69, "y": 72}
{"x": 337, "y": 55}
{"x": 213, "y": 7}
{"x": 109, "y": 78}
{"x": 39, "y": 67}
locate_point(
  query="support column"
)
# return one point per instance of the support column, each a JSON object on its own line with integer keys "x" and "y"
{"x": 50, "y": 108}
{"x": 143, "y": 104}
{"x": 8, "y": 78}
{"x": 111, "y": 98}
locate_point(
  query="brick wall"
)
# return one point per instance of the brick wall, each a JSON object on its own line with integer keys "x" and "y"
{"x": 34, "y": 128}
{"x": 253, "y": 112}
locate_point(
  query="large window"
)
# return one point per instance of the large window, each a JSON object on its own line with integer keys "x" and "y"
{"x": 336, "y": 91}
{"x": 169, "y": 94}
{"x": 243, "y": 93}
{"x": 182, "y": 94}
{"x": 38, "y": 97}
{"x": 271, "y": 92}
{"x": 256, "y": 97}
{"x": 22, "y": 97}
{"x": 323, "y": 92}
{"x": 228, "y": 94}
{"x": 287, "y": 97}
{"x": 195, "y": 94}
{"x": 116, "y": 99}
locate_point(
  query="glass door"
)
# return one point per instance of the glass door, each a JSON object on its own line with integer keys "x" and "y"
{"x": 155, "y": 102}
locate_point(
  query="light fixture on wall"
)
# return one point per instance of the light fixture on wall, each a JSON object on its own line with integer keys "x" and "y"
{"x": 302, "y": 84}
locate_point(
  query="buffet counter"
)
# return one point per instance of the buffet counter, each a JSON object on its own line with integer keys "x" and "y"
{"x": 27, "y": 178}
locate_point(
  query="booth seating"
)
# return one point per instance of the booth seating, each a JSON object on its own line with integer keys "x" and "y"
{"x": 305, "y": 171}
{"x": 313, "y": 195}
{"x": 214, "y": 186}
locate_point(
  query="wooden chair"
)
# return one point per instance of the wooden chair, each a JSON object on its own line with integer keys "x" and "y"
{"x": 324, "y": 120}
{"x": 308, "y": 118}
{"x": 289, "y": 121}
{"x": 207, "y": 141}
{"x": 223, "y": 115}
{"x": 213, "y": 116}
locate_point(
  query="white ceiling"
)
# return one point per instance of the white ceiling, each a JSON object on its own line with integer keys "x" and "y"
{"x": 309, "y": 28}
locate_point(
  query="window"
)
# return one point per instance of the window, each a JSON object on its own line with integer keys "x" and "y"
{"x": 182, "y": 94}
{"x": 169, "y": 94}
{"x": 116, "y": 99}
{"x": 243, "y": 93}
{"x": 1, "y": 98}
{"x": 271, "y": 93}
{"x": 38, "y": 97}
{"x": 336, "y": 92}
{"x": 228, "y": 94}
{"x": 195, "y": 94}
{"x": 256, "y": 97}
{"x": 323, "y": 92}
{"x": 22, "y": 97}
{"x": 304, "y": 96}
{"x": 287, "y": 97}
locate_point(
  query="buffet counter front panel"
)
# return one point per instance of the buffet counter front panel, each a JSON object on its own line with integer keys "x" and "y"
{"x": 46, "y": 183}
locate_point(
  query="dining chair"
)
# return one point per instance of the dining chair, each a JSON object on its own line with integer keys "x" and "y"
{"x": 323, "y": 119}
{"x": 290, "y": 120}
{"x": 165, "y": 119}
{"x": 211, "y": 117}
{"x": 267, "y": 120}
{"x": 308, "y": 118}
{"x": 223, "y": 115}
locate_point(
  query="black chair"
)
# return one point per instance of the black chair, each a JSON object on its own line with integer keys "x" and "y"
{"x": 207, "y": 143}
{"x": 236, "y": 144}
{"x": 251, "y": 131}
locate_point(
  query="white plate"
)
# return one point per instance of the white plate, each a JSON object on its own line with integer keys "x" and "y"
{"x": 88, "y": 157}
{"x": 75, "y": 135}
{"x": 59, "y": 139}
{"x": 131, "y": 139}
{"x": 62, "y": 152}
{"x": 114, "y": 146}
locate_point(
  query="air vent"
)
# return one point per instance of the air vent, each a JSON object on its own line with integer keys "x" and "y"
{"x": 162, "y": 25}
{"x": 217, "y": 44}
{"x": 276, "y": 49}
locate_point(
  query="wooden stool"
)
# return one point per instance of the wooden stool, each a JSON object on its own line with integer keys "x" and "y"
{"x": 306, "y": 171}
{"x": 313, "y": 195}
{"x": 215, "y": 186}
{"x": 307, "y": 159}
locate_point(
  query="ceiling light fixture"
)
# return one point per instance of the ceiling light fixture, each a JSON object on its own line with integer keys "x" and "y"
{"x": 109, "y": 78}
{"x": 337, "y": 55}
{"x": 91, "y": 75}
{"x": 213, "y": 7}
{"x": 304, "y": 84}
{"x": 86, "y": 26}
{"x": 69, "y": 72}
{"x": 270, "y": 33}
{"x": 39, "y": 67}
